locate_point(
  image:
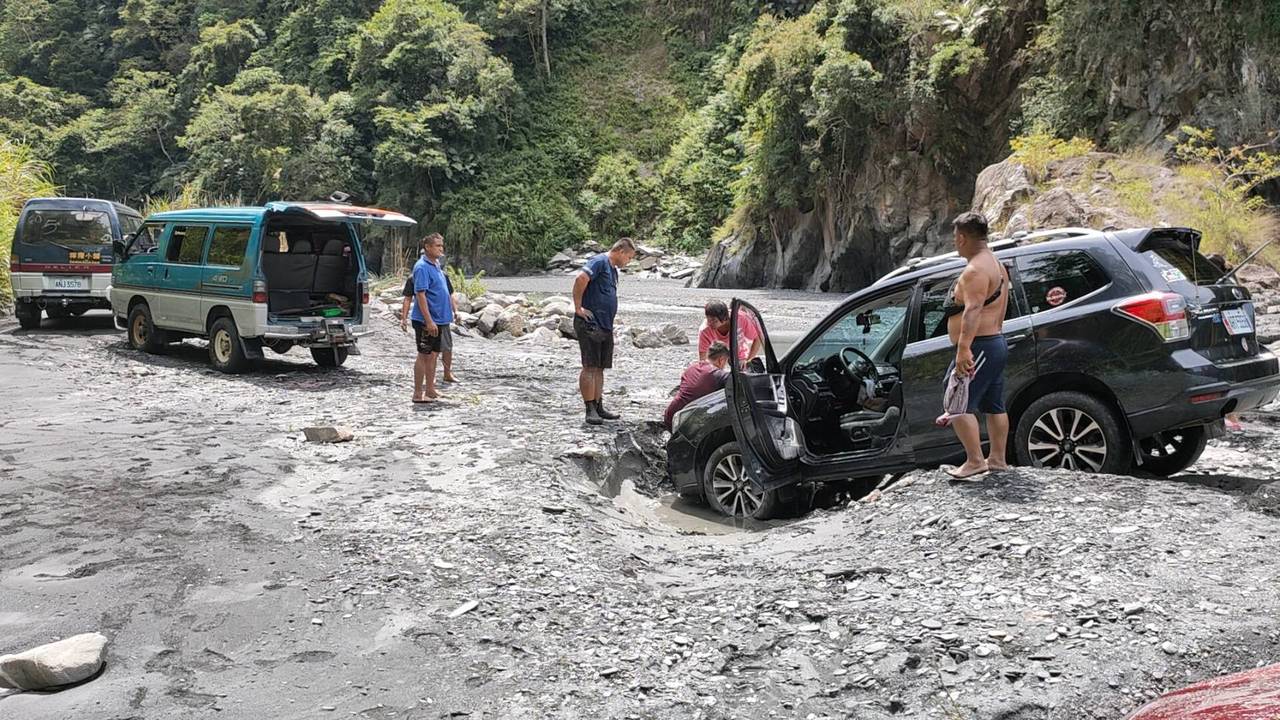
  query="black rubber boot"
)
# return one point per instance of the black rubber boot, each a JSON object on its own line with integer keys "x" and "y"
{"x": 593, "y": 415}
{"x": 605, "y": 413}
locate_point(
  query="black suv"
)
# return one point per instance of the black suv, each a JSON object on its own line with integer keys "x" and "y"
{"x": 1126, "y": 350}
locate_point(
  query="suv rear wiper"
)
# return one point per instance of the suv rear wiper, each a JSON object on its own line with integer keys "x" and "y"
{"x": 1244, "y": 262}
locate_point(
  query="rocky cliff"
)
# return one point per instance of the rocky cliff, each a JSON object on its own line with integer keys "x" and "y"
{"x": 1176, "y": 67}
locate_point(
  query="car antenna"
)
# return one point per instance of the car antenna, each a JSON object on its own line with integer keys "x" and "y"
{"x": 1244, "y": 262}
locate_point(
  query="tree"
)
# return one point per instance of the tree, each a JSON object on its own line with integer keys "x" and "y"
{"x": 438, "y": 96}
{"x": 23, "y": 176}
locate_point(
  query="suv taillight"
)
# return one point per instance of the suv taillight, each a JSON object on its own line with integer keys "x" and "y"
{"x": 259, "y": 291}
{"x": 1166, "y": 313}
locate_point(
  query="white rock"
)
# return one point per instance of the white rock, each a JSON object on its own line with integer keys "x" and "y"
{"x": 462, "y": 301}
{"x": 480, "y": 303}
{"x": 648, "y": 338}
{"x": 511, "y": 320}
{"x": 559, "y": 307}
{"x": 489, "y": 319}
{"x": 566, "y": 328}
{"x": 59, "y": 663}
{"x": 327, "y": 434}
{"x": 673, "y": 335}
{"x": 541, "y": 336}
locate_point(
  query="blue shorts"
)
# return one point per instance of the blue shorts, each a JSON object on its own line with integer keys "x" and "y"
{"x": 986, "y": 389}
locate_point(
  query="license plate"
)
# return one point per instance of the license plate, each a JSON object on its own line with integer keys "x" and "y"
{"x": 66, "y": 282}
{"x": 1237, "y": 321}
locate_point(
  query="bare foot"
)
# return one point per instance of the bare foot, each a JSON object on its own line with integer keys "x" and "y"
{"x": 432, "y": 394}
{"x": 450, "y": 378}
{"x": 967, "y": 471}
{"x": 996, "y": 465}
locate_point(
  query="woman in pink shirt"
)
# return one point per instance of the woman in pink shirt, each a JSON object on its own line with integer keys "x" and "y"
{"x": 716, "y": 329}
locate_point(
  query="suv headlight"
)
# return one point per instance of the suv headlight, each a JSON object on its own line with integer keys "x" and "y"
{"x": 679, "y": 418}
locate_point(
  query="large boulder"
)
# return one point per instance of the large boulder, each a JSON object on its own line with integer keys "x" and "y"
{"x": 560, "y": 260}
{"x": 462, "y": 302}
{"x": 465, "y": 319}
{"x": 541, "y": 336}
{"x": 672, "y": 334}
{"x": 480, "y": 303}
{"x": 559, "y": 306}
{"x": 511, "y": 320}
{"x": 488, "y": 322}
{"x": 63, "y": 662}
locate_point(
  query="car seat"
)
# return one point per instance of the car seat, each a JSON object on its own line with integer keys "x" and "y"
{"x": 864, "y": 425}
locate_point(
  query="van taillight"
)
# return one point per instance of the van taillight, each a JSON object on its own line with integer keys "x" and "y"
{"x": 259, "y": 291}
{"x": 1166, "y": 313}
{"x": 364, "y": 295}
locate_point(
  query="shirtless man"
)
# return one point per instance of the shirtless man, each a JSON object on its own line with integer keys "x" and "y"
{"x": 975, "y": 320}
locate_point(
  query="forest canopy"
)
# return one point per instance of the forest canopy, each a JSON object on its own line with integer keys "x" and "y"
{"x": 523, "y": 126}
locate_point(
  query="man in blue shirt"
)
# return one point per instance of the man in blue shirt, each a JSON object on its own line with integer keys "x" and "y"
{"x": 595, "y": 302}
{"x": 431, "y": 315}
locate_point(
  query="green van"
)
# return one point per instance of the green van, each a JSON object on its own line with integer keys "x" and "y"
{"x": 282, "y": 275}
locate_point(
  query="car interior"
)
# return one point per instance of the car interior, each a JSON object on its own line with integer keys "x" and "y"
{"x": 846, "y": 386}
{"x": 310, "y": 269}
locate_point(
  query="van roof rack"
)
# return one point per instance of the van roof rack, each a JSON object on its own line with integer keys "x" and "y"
{"x": 1022, "y": 237}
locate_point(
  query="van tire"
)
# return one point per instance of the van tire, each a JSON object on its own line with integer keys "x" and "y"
{"x": 329, "y": 357}
{"x": 226, "y": 352}
{"x": 143, "y": 334}
{"x": 1094, "y": 424}
{"x": 28, "y": 315}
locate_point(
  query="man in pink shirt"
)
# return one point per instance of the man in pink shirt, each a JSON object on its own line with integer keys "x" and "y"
{"x": 750, "y": 339}
{"x": 701, "y": 378}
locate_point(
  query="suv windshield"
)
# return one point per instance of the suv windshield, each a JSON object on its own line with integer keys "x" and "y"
{"x": 67, "y": 228}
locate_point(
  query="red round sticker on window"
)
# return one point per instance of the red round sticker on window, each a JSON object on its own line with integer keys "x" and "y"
{"x": 1055, "y": 296}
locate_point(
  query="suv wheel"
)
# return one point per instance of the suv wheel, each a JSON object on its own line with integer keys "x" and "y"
{"x": 730, "y": 491}
{"x": 1072, "y": 431}
{"x": 28, "y": 315}
{"x": 225, "y": 351}
{"x": 143, "y": 334}
{"x": 328, "y": 356}
{"x": 1172, "y": 451}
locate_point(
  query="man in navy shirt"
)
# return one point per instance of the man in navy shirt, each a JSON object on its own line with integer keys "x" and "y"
{"x": 431, "y": 315}
{"x": 595, "y": 302}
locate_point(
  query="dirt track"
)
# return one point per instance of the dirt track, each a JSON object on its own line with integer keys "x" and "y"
{"x": 241, "y": 572}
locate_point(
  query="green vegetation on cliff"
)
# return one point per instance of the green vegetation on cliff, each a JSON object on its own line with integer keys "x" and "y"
{"x": 519, "y": 127}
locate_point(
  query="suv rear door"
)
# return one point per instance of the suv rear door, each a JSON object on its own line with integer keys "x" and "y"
{"x": 931, "y": 352}
{"x": 767, "y": 435}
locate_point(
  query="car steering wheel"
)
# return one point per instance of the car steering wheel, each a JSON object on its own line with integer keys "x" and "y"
{"x": 862, "y": 367}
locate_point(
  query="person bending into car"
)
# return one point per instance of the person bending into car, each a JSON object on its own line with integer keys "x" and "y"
{"x": 975, "y": 319}
{"x": 716, "y": 329}
{"x": 595, "y": 303}
{"x": 699, "y": 379}
{"x": 431, "y": 314}
{"x": 446, "y": 356}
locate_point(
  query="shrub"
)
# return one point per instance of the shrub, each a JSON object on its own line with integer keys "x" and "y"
{"x": 22, "y": 177}
{"x": 472, "y": 287}
{"x": 1036, "y": 151}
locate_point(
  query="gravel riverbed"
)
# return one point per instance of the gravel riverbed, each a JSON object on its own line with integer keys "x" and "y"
{"x": 493, "y": 557}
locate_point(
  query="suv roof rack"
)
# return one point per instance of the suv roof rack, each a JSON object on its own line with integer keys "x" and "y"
{"x": 1019, "y": 238}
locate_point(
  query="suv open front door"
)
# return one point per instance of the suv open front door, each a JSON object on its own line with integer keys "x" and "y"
{"x": 758, "y": 408}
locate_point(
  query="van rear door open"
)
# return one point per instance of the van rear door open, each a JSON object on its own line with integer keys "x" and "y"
{"x": 343, "y": 213}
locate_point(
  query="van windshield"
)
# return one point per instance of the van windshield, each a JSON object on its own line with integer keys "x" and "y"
{"x": 67, "y": 228}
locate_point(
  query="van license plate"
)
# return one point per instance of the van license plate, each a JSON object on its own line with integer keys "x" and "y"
{"x": 66, "y": 282}
{"x": 1237, "y": 321}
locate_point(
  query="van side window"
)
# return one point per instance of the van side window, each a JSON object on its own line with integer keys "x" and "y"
{"x": 186, "y": 245}
{"x": 1054, "y": 279}
{"x": 228, "y": 246}
{"x": 148, "y": 237}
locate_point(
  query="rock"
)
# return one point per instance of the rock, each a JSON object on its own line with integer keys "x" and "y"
{"x": 1133, "y": 609}
{"x": 986, "y": 650}
{"x": 64, "y": 662}
{"x": 465, "y": 319}
{"x": 1169, "y": 648}
{"x": 511, "y": 320}
{"x": 1266, "y": 499}
{"x": 541, "y": 336}
{"x": 566, "y": 328}
{"x": 480, "y": 303}
{"x": 464, "y": 608}
{"x": 501, "y": 300}
{"x": 674, "y": 335}
{"x": 489, "y": 319}
{"x": 875, "y": 647}
{"x": 683, "y": 274}
{"x": 648, "y": 338}
{"x": 648, "y": 263}
{"x": 462, "y": 302}
{"x": 932, "y": 623}
{"x": 1257, "y": 275}
{"x": 646, "y": 251}
{"x": 559, "y": 306}
{"x": 560, "y": 260}
{"x": 327, "y": 434}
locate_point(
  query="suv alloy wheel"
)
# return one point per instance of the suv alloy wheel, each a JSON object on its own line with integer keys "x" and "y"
{"x": 1172, "y": 451}
{"x": 729, "y": 489}
{"x": 1071, "y": 431}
